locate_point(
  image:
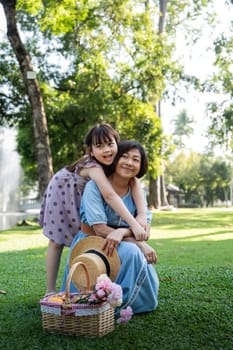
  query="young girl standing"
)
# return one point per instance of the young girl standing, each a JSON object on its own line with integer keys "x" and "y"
{"x": 59, "y": 215}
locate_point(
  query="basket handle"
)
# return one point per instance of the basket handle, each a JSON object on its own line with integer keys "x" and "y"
{"x": 70, "y": 275}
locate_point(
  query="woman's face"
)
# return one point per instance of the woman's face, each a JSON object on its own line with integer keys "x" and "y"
{"x": 129, "y": 164}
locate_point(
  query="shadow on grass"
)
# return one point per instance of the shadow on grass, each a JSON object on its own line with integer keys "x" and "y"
{"x": 200, "y": 219}
{"x": 214, "y": 235}
{"x": 25, "y": 229}
{"x": 193, "y": 251}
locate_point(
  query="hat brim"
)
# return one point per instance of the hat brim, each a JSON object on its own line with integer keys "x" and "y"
{"x": 96, "y": 243}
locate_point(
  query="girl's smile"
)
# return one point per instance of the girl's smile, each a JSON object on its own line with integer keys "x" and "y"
{"x": 105, "y": 152}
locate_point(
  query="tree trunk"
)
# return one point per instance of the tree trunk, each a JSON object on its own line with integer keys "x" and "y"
{"x": 163, "y": 192}
{"x": 160, "y": 191}
{"x": 43, "y": 152}
{"x": 162, "y": 10}
{"x": 154, "y": 193}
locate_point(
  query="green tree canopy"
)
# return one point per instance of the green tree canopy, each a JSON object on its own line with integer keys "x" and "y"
{"x": 96, "y": 61}
{"x": 203, "y": 178}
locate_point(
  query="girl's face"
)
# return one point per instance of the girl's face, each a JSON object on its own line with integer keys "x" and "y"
{"x": 129, "y": 164}
{"x": 105, "y": 152}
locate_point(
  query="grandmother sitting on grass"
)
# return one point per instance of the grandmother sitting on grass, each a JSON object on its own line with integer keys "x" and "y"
{"x": 136, "y": 275}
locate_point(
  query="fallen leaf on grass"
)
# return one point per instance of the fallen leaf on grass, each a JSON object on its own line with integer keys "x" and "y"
{"x": 3, "y": 292}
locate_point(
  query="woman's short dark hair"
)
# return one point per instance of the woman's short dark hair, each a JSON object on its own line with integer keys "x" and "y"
{"x": 124, "y": 147}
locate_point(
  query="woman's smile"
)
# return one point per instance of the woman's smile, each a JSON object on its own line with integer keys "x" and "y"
{"x": 129, "y": 163}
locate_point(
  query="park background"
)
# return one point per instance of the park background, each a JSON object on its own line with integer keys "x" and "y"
{"x": 163, "y": 79}
{"x": 168, "y": 85}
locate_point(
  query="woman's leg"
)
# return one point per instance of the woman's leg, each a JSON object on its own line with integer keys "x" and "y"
{"x": 53, "y": 258}
{"x": 138, "y": 279}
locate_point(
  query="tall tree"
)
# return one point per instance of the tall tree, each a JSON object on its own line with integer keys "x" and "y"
{"x": 182, "y": 127}
{"x": 112, "y": 67}
{"x": 118, "y": 63}
{"x": 157, "y": 190}
{"x": 42, "y": 146}
{"x": 221, "y": 113}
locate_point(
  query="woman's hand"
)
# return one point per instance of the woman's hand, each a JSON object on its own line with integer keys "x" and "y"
{"x": 113, "y": 239}
{"x": 149, "y": 252}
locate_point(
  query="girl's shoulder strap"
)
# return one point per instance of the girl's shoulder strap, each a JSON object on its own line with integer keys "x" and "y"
{"x": 85, "y": 162}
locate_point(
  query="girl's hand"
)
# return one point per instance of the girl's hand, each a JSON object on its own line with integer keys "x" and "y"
{"x": 142, "y": 220}
{"x": 139, "y": 233}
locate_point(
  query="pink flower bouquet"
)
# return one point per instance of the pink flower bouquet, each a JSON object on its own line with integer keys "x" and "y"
{"x": 106, "y": 290}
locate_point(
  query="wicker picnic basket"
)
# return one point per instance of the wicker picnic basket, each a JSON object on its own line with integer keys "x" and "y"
{"x": 89, "y": 320}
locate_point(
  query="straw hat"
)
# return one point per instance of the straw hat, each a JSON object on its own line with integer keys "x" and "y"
{"x": 89, "y": 251}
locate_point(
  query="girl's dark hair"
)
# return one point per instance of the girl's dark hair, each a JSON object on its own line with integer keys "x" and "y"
{"x": 100, "y": 133}
{"x": 124, "y": 147}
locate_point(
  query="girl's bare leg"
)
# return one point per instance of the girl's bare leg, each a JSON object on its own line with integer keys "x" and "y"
{"x": 52, "y": 265}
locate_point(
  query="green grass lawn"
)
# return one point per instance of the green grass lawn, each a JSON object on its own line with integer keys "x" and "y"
{"x": 195, "y": 268}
